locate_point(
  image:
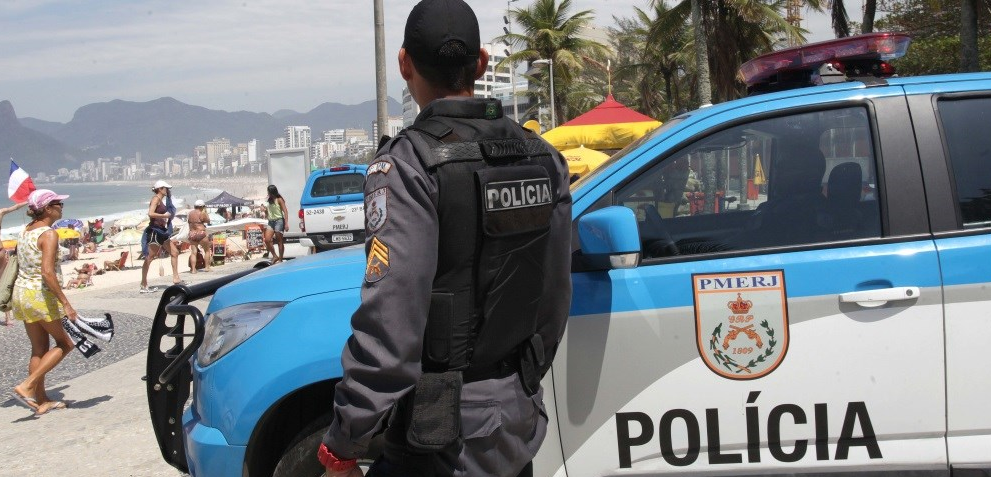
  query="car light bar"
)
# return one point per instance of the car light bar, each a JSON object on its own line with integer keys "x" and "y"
{"x": 872, "y": 46}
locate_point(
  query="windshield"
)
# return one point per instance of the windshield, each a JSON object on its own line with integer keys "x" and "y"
{"x": 339, "y": 184}
{"x": 626, "y": 150}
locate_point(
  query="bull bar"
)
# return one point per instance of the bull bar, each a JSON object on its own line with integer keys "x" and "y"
{"x": 169, "y": 373}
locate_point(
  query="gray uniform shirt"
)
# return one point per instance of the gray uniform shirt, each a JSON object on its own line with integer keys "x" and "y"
{"x": 502, "y": 427}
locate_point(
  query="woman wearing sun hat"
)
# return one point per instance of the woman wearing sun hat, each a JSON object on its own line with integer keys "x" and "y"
{"x": 38, "y": 298}
{"x": 158, "y": 233}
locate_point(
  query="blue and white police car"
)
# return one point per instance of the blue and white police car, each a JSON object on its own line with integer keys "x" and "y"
{"x": 795, "y": 282}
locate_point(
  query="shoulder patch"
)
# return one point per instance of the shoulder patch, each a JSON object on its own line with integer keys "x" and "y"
{"x": 376, "y": 209}
{"x": 378, "y": 261}
{"x": 381, "y": 166}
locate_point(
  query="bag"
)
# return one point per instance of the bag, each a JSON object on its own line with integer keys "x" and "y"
{"x": 200, "y": 262}
{"x": 7, "y": 278}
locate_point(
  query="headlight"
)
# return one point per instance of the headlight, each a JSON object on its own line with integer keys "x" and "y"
{"x": 228, "y": 328}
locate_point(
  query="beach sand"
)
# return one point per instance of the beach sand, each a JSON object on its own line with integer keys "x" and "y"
{"x": 131, "y": 273}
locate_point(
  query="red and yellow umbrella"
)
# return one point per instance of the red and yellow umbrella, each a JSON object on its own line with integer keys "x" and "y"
{"x": 582, "y": 160}
{"x": 608, "y": 126}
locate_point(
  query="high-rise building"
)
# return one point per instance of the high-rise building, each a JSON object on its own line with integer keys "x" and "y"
{"x": 395, "y": 124}
{"x": 297, "y": 136}
{"x": 334, "y": 135}
{"x": 215, "y": 151}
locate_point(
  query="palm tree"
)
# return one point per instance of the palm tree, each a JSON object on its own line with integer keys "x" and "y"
{"x": 549, "y": 31}
{"x": 649, "y": 69}
{"x": 870, "y": 9}
{"x": 968, "y": 35}
{"x": 841, "y": 21}
{"x": 736, "y": 31}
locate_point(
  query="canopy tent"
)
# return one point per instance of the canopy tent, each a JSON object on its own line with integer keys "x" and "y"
{"x": 225, "y": 199}
{"x": 582, "y": 160}
{"x": 608, "y": 126}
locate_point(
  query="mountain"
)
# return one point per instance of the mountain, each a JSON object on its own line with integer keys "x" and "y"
{"x": 340, "y": 116}
{"x": 158, "y": 128}
{"x": 282, "y": 113}
{"x": 45, "y": 127}
{"x": 166, "y": 127}
{"x": 32, "y": 150}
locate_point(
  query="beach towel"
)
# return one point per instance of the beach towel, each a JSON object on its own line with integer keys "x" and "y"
{"x": 83, "y": 328}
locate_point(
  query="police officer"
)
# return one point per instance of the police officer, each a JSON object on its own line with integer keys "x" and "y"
{"x": 467, "y": 279}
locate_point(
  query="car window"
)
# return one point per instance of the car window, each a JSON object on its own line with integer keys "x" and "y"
{"x": 790, "y": 180}
{"x": 339, "y": 184}
{"x": 965, "y": 124}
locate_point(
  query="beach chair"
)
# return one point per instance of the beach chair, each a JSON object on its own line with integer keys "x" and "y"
{"x": 116, "y": 264}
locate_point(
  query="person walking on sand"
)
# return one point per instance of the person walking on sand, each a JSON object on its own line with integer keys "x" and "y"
{"x": 39, "y": 301}
{"x": 158, "y": 232}
{"x": 4, "y": 256}
{"x": 198, "y": 219}
{"x": 276, "y": 213}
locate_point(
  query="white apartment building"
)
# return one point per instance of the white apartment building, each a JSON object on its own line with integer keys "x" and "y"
{"x": 394, "y": 125}
{"x": 334, "y": 135}
{"x": 215, "y": 151}
{"x": 297, "y": 136}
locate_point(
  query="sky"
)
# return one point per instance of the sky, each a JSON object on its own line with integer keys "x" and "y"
{"x": 244, "y": 55}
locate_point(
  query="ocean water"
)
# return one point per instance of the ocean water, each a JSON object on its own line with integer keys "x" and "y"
{"x": 109, "y": 201}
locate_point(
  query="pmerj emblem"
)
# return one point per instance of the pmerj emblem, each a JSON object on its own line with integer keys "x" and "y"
{"x": 376, "y": 209}
{"x": 741, "y": 322}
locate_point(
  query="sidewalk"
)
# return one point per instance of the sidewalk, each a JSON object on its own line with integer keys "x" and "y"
{"x": 106, "y": 430}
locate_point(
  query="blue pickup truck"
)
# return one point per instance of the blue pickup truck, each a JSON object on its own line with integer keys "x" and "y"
{"x": 332, "y": 207}
{"x": 827, "y": 315}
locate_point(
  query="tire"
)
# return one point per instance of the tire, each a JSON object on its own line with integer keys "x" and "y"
{"x": 300, "y": 460}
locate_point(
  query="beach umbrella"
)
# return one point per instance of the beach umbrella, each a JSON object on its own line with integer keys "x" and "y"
{"x": 68, "y": 224}
{"x": 608, "y": 126}
{"x": 582, "y": 160}
{"x": 67, "y": 234}
{"x": 126, "y": 237}
{"x": 129, "y": 221}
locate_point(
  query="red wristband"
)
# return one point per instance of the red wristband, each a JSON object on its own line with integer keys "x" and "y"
{"x": 332, "y": 462}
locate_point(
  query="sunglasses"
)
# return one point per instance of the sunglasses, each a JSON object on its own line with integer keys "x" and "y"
{"x": 56, "y": 203}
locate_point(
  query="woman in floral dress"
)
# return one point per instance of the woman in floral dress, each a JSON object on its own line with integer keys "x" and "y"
{"x": 38, "y": 299}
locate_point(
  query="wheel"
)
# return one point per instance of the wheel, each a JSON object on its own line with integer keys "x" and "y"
{"x": 300, "y": 460}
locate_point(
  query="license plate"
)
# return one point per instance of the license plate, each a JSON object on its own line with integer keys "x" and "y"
{"x": 338, "y": 238}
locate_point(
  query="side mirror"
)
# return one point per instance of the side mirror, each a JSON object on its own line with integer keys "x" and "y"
{"x": 610, "y": 238}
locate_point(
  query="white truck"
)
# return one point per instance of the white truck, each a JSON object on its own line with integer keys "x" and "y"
{"x": 332, "y": 207}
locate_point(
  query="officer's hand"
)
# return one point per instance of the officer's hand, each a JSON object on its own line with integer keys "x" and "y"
{"x": 353, "y": 472}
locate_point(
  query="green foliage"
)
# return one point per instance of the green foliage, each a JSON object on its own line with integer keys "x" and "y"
{"x": 935, "y": 29}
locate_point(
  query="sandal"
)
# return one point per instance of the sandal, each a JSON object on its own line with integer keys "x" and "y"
{"x": 27, "y": 401}
{"x": 49, "y": 406}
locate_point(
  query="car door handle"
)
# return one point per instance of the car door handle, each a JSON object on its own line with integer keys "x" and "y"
{"x": 875, "y": 298}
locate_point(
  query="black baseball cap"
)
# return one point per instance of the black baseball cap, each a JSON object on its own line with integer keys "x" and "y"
{"x": 432, "y": 23}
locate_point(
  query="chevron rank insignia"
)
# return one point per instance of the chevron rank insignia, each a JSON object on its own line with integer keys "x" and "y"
{"x": 378, "y": 261}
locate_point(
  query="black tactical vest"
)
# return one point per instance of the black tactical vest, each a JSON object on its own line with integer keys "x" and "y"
{"x": 497, "y": 187}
